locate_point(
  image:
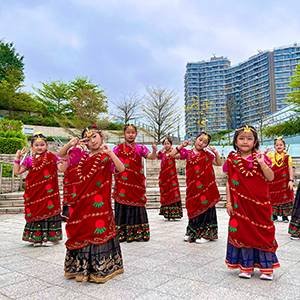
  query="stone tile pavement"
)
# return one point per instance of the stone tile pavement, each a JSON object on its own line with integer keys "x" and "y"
{"x": 163, "y": 268}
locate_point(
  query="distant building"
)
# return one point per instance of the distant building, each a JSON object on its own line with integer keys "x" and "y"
{"x": 218, "y": 96}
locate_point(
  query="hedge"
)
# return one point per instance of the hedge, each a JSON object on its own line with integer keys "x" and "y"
{"x": 12, "y": 134}
{"x": 6, "y": 170}
{"x": 11, "y": 145}
{"x": 11, "y": 125}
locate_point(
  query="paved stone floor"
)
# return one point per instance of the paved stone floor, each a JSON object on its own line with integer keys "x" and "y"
{"x": 163, "y": 268}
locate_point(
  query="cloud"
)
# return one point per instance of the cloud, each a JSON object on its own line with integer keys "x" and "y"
{"x": 126, "y": 45}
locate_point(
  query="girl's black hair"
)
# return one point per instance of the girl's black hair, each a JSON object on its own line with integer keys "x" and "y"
{"x": 91, "y": 127}
{"x": 204, "y": 133}
{"x": 241, "y": 129}
{"x": 129, "y": 125}
{"x": 167, "y": 138}
{"x": 37, "y": 136}
{"x": 280, "y": 139}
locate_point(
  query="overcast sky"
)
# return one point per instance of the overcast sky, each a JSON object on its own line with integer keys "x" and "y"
{"x": 127, "y": 45}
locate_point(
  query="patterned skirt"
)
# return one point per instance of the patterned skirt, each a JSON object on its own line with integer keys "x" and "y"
{"x": 203, "y": 226}
{"x": 172, "y": 211}
{"x": 43, "y": 231}
{"x": 246, "y": 259}
{"x": 94, "y": 263}
{"x": 283, "y": 210}
{"x": 294, "y": 227}
{"x": 132, "y": 223}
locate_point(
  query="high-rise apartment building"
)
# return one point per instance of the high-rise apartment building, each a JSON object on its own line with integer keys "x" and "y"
{"x": 205, "y": 95}
{"x": 218, "y": 96}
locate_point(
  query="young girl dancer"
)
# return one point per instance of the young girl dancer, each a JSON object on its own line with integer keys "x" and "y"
{"x": 294, "y": 228}
{"x": 201, "y": 193}
{"x": 281, "y": 188}
{"x": 69, "y": 166}
{"x": 41, "y": 196}
{"x": 130, "y": 189}
{"x": 93, "y": 251}
{"x": 171, "y": 207}
{"x": 251, "y": 232}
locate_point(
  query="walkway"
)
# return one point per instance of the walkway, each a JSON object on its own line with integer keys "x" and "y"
{"x": 164, "y": 268}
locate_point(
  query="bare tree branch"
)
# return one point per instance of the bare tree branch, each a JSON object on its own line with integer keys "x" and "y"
{"x": 128, "y": 108}
{"x": 161, "y": 112}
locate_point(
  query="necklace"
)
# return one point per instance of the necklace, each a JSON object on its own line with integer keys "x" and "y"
{"x": 195, "y": 158}
{"x": 278, "y": 162}
{"x": 240, "y": 162}
{"x": 129, "y": 153}
{"x": 39, "y": 162}
{"x": 92, "y": 170}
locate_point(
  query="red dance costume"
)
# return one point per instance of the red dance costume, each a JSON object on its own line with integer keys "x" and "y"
{"x": 282, "y": 198}
{"x": 93, "y": 252}
{"x": 201, "y": 195}
{"x": 41, "y": 199}
{"x": 91, "y": 220}
{"x": 170, "y": 199}
{"x": 251, "y": 228}
{"x": 201, "y": 192}
{"x": 130, "y": 194}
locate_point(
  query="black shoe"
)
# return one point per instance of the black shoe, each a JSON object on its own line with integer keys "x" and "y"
{"x": 285, "y": 219}
{"x": 275, "y": 218}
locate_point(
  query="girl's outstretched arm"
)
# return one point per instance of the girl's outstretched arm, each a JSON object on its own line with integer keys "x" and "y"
{"x": 117, "y": 162}
{"x": 64, "y": 150}
{"x": 152, "y": 155}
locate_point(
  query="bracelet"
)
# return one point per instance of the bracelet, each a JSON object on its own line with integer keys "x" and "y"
{"x": 17, "y": 161}
{"x": 292, "y": 180}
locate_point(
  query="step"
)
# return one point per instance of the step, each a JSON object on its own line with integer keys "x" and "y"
{"x": 11, "y": 210}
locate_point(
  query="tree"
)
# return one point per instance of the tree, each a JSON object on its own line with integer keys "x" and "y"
{"x": 229, "y": 110}
{"x": 292, "y": 126}
{"x": 13, "y": 99}
{"x": 161, "y": 112}
{"x": 55, "y": 96}
{"x": 127, "y": 109}
{"x": 10, "y": 60}
{"x": 87, "y": 101}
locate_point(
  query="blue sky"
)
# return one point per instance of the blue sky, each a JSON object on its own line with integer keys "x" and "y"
{"x": 127, "y": 45}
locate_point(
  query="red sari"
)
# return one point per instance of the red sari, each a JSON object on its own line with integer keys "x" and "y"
{"x": 168, "y": 181}
{"x": 251, "y": 225}
{"x": 71, "y": 179}
{"x": 201, "y": 192}
{"x": 130, "y": 185}
{"x": 91, "y": 218}
{"x": 279, "y": 191}
{"x": 41, "y": 197}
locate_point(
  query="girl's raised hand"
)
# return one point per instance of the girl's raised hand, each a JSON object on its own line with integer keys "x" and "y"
{"x": 212, "y": 149}
{"x": 105, "y": 149}
{"x": 260, "y": 157}
{"x": 21, "y": 153}
{"x": 185, "y": 143}
{"x": 154, "y": 147}
{"x": 74, "y": 141}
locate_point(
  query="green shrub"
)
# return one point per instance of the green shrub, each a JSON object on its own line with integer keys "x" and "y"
{"x": 11, "y": 145}
{"x": 7, "y": 170}
{"x": 12, "y": 134}
{"x": 38, "y": 120}
{"x": 11, "y": 125}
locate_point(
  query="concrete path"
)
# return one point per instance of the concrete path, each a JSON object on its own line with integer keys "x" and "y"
{"x": 163, "y": 268}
